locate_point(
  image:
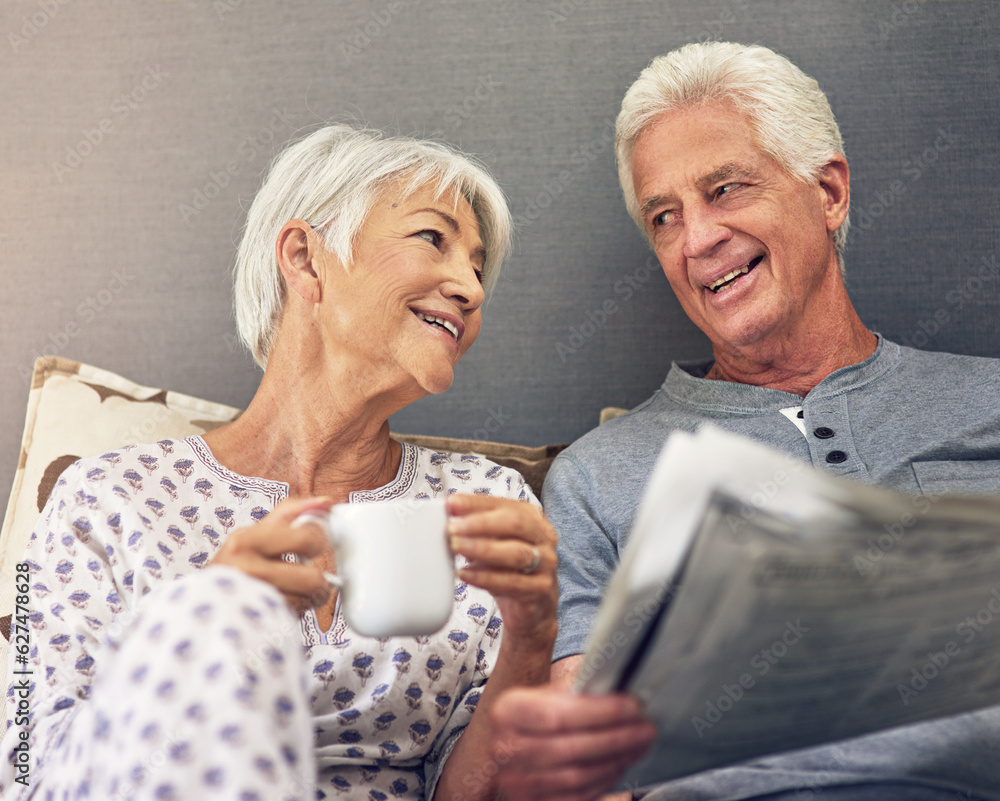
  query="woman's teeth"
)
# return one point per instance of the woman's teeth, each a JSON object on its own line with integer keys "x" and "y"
{"x": 450, "y": 327}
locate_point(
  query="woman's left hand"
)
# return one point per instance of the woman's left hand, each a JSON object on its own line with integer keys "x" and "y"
{"x": 511, "y": 550}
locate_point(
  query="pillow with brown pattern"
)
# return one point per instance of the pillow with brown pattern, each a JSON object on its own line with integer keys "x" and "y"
{"x": 76, "y": 410}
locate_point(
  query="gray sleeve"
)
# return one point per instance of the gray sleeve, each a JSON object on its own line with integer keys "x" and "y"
{"x": 588, "y": 553}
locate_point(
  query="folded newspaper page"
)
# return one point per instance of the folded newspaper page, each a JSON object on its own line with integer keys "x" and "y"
{"x": 761, "y": 607}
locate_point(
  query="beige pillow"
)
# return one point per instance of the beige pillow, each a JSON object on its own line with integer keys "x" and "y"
{"x": 77, "y": 410}
{"x": 610, "y": 413}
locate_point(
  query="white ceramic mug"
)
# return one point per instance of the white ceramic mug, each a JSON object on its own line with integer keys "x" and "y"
{"x": 395, "y": 570}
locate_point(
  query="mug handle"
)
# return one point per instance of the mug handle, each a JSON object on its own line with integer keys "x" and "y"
{"x": 321, "y": 520}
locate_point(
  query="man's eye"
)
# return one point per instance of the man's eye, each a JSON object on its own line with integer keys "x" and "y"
{"x": 662, "y": 218}
{"x": 726, "y": 189}
{"x": 434, "y": 237}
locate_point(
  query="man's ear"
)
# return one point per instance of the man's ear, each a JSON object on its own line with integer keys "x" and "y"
{"x": 297, "y": 250}
{"x": 835, "y": 181}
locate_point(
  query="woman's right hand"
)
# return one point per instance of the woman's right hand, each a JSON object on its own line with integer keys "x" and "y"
{"x": 257, "y": 550}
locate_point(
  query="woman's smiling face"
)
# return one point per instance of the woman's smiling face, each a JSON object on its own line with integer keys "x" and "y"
{"x": 410, "y": 302}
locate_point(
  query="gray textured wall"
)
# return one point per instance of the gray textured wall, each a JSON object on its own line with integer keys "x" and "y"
{"x": 134, "y": 133}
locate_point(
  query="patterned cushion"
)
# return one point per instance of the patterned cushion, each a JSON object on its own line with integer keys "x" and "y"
{"x": 76, "y": 410}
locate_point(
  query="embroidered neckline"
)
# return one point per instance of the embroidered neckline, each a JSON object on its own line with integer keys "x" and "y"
{"x": 396, "y": 488}
{"x": 275, "y": 490}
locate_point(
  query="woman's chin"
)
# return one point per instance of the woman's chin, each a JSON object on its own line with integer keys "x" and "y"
{"x": 436, "y": 382}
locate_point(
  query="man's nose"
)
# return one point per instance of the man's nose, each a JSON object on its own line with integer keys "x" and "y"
{"x": 704, "y": 228}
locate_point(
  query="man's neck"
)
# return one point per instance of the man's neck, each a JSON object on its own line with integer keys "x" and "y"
{"x": 795, "y": 364}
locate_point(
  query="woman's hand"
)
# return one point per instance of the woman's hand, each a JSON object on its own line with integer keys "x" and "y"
{"x": 511, "y": 550}
{"x": 257, "y": 551}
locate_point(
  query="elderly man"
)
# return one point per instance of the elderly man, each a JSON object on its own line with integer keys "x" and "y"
{"x": 732, "y": 166}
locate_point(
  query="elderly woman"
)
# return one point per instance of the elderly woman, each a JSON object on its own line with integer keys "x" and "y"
{"x": 359, "y": 285}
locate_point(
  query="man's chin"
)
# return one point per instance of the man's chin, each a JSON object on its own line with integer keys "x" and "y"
{"x": 738, "y": 335}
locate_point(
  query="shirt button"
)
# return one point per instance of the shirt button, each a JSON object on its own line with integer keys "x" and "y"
{"x": 836, "y": 457}
{"x": 823, "y": 432}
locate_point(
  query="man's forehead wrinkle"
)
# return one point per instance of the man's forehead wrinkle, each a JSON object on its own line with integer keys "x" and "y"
{"x": 725, "y": 172}
{"x": 651, "y": 203}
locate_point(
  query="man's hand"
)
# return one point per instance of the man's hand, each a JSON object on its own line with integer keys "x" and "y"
{"x": 554, "y": 744}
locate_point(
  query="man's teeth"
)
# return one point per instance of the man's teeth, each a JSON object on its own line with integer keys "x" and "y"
{"x": 449, "y": 326}
{"x": 727, "y": 278}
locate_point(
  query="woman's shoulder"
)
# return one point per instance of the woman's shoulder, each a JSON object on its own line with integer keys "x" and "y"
{"x": 124, "y": 471}
{"x": 441, "y": 472}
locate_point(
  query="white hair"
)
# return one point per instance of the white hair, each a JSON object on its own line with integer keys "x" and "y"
{"x": 332, "y": 179}
{"x": 789, "y": 116}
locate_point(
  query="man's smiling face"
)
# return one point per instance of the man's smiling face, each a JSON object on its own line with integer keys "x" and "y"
{"x": 746, "y": 247}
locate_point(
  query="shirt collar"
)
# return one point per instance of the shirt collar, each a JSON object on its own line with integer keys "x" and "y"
{"x": 685, "y": 383}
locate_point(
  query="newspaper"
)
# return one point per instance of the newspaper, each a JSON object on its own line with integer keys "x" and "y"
{"x": 761, "y": 607}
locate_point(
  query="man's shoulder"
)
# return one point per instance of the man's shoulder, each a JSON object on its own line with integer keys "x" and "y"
{"x": 941, "y": 366}
{"x": 621, "y": 448}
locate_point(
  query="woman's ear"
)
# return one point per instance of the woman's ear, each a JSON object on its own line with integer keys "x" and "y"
{"x": 297, "y": 250}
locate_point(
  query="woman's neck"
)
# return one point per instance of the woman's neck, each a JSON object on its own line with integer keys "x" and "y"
{"x": 320, "y": 435}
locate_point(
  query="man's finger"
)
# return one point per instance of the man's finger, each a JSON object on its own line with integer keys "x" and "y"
{"x": 543, "y": 710}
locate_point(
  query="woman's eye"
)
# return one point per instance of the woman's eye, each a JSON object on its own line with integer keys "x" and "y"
{"x": 431, "y": 236}
{"x": 479, "y": 276}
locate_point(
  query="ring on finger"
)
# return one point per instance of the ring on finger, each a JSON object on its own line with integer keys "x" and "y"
{"x": 536, "y": 560}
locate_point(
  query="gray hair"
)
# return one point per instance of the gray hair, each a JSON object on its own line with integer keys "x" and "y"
{"x": 332, "y": 179}
{"x": 789, "y": 116}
